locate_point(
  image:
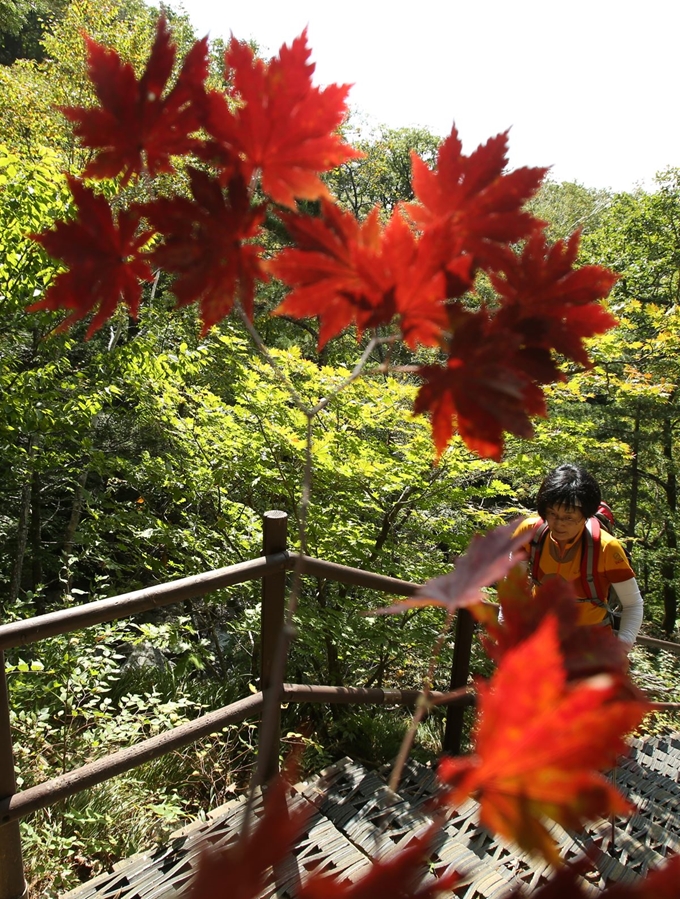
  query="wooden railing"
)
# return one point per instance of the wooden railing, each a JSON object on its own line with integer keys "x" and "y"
{"x": 272, "y": 568}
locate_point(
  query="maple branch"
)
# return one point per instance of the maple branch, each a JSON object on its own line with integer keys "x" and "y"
{"x": 304, "y": 325}
{"x": 421, "y": 710}
{"x": 424, "y": 704}
{"x": 386, "y": 368}
{"x": 271, "y": 361}
{"x": 272, "y": 695}
{"x": 285, "y": 484}
{"x": 356, "y": 373}
{"x": 304, "y": 509}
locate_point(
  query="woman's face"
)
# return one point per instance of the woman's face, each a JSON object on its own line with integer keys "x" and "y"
{"x": 564, "y": 522}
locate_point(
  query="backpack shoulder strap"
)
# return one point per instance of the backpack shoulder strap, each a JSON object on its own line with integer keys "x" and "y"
{"x": 590, "y": 557}
{"x": 535, "y": 547}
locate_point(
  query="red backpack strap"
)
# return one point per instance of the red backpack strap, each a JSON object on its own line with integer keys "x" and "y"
{"x": 590, "y": 557}
{"x": 535, "y": 547}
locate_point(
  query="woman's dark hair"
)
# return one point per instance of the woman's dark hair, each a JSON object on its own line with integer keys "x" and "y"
{"x": 570, "y": 486}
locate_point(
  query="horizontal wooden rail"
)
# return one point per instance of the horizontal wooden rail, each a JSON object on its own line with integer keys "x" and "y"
{"x": 22, "y": 633}
{"x": 653, "y": 643}
{"x": 25, "y": 632}
{"x": 21, "y": 804}
{"x": 366, "y": 696}
{"x": 356, "y": 576}
{"x": 27, "y": 801}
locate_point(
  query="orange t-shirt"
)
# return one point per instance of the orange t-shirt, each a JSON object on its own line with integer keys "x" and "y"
{"x": 613, "y": 566}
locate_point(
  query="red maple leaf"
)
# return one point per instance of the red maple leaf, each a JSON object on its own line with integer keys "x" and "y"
{"x": 282, "y": 125}
{"x": 487, "y": 560}
{"x": 586, "y": 650}
{"x": 397, "y": 878}
{"x": 332, "y": 270}
{"x": 549, "y": 304}
{"x": 104, "y": 258}
{"x": 240, "y": 871}
{"x": 662, "y": 883}
{"x": 345, "y": 272}
{"x": 487, "y": 386}
{"x": 540, "y": 743}
{"x": 135, "y": 122}
{"x": 413, "y": 268}
{"x": 475, "y": 200}
{"x": 208, "y": 245}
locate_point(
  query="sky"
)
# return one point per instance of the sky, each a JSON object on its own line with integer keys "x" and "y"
{"x": 588, "y": 87}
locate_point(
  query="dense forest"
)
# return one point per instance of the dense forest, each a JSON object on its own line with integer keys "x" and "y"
{"x": 149, "y": 452}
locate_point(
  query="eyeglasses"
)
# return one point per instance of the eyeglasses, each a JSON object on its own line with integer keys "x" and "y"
{"x": 563, "y": 519}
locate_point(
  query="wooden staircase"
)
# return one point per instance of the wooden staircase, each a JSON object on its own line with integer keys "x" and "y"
{"x": 356, "y": 818}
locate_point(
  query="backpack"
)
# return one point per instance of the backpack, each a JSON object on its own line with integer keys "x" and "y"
{"x": 595, "y": 591}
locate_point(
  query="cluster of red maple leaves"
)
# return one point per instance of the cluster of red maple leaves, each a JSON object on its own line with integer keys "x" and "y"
{"x": 260, "y": 147}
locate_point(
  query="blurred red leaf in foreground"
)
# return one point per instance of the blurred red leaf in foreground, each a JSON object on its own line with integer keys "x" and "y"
{"x": 586, "y": 650}
{"x": 400, "y": 877}
{"x": 540, "y": 743}
{"x": 487, "y": 560}
{"x": 663, "y": 883}
{"x": 240, "y": 871}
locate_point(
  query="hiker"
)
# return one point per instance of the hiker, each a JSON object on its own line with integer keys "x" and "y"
{"x": 567, "y": 539}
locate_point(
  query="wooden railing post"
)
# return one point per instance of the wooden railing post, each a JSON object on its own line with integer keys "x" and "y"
{"x": 460, "y": 670}
{"x": 274, "y": 540}
{"x": 12, "y": 883}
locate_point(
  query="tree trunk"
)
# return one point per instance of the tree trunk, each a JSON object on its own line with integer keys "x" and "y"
{"x": 76, "y": 512}
{"x": 670, "y": 601}
{"x": 22, "y": 530}
{"x": 332, "y": 655}
{"x": 35, "y": 533}
{"x": 635, "y": 473}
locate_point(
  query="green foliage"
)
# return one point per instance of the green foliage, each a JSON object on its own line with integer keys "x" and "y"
{"x": 78, "y": 698}
{"x": 32, "y": 90}
{"x": 619, "y": 418}
{"x": 568, "y": 206}
{"x": 633, "y": 387}
{"x": 657, "y": 672}
{"x": 23, "y": 25}
{"x": 383, "y": 176}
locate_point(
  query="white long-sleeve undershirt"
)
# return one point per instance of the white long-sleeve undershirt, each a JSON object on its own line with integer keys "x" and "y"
{"x": 632, "y": 609}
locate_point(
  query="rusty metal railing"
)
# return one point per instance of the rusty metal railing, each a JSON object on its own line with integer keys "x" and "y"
{"x": 271, "y": 568}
